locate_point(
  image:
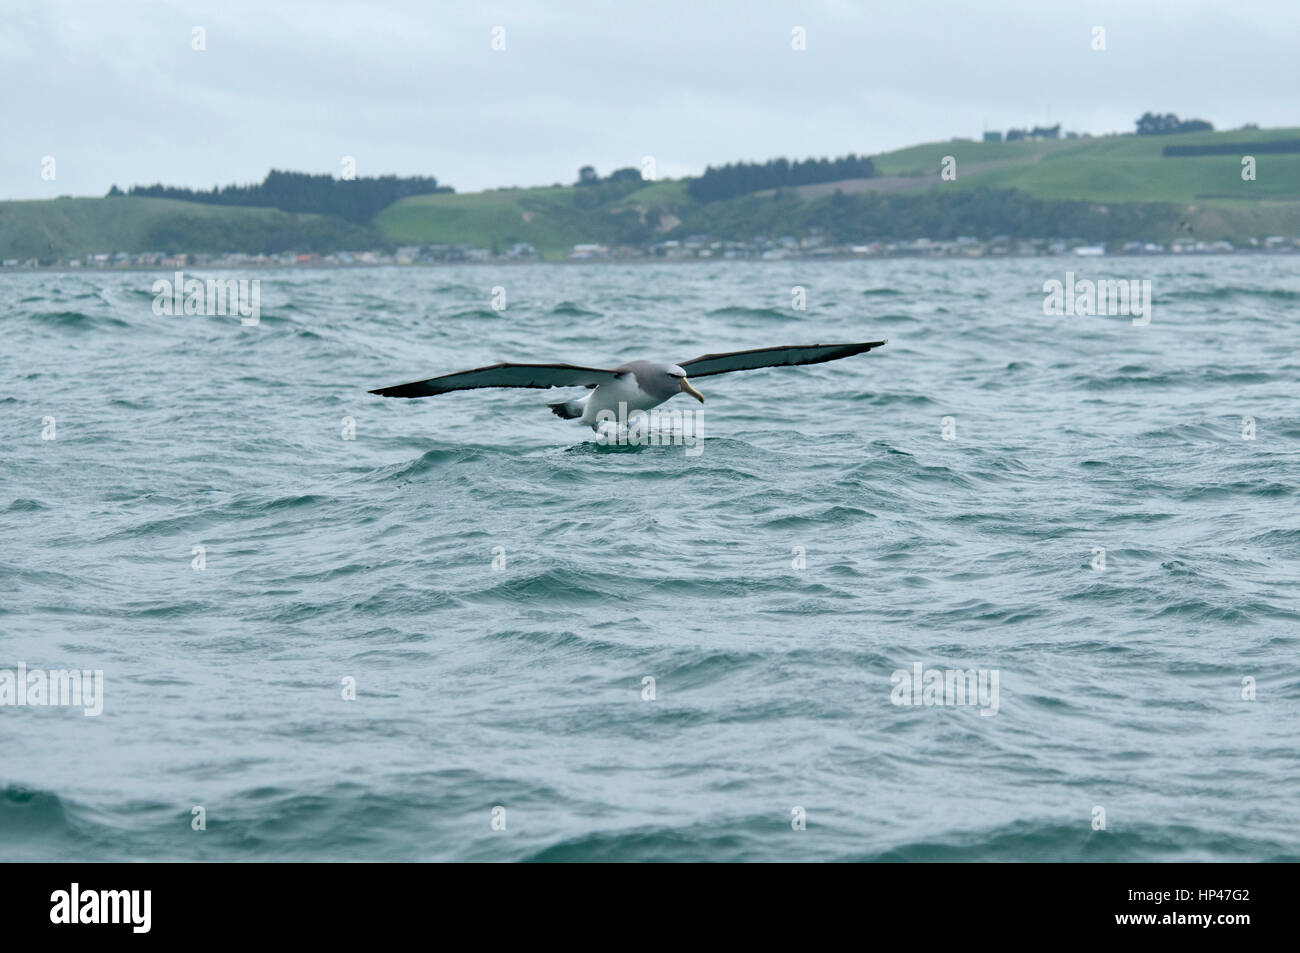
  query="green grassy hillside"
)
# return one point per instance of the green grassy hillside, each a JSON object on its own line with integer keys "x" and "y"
{"x": 1108, "y": 168}
{"x": 74, "y": 227}
{"x": 544, "y": 217}
{"x": 1211, "y": 194}
{"x": 551, "y": 219}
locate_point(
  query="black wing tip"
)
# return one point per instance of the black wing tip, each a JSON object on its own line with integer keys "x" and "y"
{"x": 415, "y": 389}
{"x": 862, "y": 347}
{"x": 840, "y": 351}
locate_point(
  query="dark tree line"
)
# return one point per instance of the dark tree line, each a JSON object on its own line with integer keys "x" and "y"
{"x": 1235, "y": 148}
{"x": 1152, "y": 124}
{"x": 742, "y": 177}
{"x": 587, "y": 175}
{"x": 354, "y": 200}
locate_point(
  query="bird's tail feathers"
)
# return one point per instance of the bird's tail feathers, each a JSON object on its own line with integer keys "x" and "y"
{"x": 568, "y": 409}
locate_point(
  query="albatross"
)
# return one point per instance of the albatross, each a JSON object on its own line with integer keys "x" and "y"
{"x": 636, "y": 385}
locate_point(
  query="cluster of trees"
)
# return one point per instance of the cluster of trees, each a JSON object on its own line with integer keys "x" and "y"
{"x": 595, "y": 192}
{"x": 587, "y": 175}
{"x": 741, "y": 178}
{"x": 353, "y": 200}
{"x": 1153, "y": 124}
{"x": 1038, "y": 132}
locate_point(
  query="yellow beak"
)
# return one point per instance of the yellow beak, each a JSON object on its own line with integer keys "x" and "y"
{"x": 688, "y": 389}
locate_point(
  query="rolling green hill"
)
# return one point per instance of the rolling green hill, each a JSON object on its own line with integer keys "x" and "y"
{"x": 1122, "y": 168}
{"x": 1132, "y": 168}
{"x": 1207, "y": 193}
{"x": 551, "y": 219}
{"x": 544, "y": 217}
{"x": 74, "y": 227}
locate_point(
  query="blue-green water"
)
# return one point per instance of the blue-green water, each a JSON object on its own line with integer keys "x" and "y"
{"x": 521, "y": 686}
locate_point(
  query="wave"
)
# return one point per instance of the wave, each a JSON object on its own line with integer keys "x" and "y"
{"x": 649, "y": 844}
{"x": 762, "y": 314}
{"x": 1047, "y": 841}
{"x": 430, "y": 461}
{"x": 30, "y": 812}
{"x": 75, "y": 320}
{"x": 1231, "y": 291}
{"x": 1204, "y": 377}
{"x": 830, "y": 516}
{"x": 891, "y": 398}
{"x": 568, "y": 587}
{"x": 472, "y": 314}
{"x": 573, "y": 310}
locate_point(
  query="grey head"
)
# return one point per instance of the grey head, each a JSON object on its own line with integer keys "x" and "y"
{"x": 660, "y": 380}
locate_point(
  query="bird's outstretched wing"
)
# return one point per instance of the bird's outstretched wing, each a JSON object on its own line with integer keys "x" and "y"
{"x": 772, "y": 357}
{"x": 502, "y": 375}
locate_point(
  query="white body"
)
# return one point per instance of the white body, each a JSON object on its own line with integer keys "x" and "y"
{"x": 622, "y": 390}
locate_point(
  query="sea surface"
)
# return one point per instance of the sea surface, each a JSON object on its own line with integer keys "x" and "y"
{"x": 498, "y": 587}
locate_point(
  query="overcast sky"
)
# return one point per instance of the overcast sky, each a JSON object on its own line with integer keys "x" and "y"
{"x": 115, "y": 92}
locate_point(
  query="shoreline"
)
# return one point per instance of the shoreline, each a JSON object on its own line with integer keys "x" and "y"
{"x": 605, "y": 262}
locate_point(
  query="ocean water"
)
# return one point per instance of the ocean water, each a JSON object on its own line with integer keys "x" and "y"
{"x": 499, "y": 587}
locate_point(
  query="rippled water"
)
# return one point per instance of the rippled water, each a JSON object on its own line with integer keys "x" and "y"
{"x": 522, "y": 687}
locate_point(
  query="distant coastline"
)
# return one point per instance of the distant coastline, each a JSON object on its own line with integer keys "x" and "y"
{"x": 993, "y": 197}
{"x": 1290, "y": 247}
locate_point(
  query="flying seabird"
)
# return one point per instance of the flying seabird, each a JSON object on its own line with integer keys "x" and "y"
{"x": 636, "y": 385}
